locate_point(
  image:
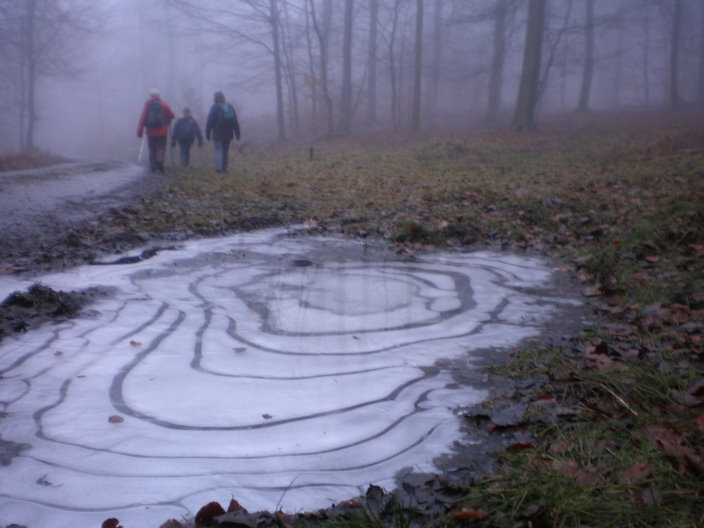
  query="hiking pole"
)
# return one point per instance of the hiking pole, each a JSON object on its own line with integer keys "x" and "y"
{"x": 168, "y": 140}
{"x": 140, "y": 155}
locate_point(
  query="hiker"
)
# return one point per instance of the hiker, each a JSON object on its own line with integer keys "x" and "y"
{"x": 222, "y": 123}
{"x": 156, "y": 116}
{"x": 185, "y": 132}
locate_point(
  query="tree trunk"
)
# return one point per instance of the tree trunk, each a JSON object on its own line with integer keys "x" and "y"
{"x": 393, "y": 75}
{"x": 675, "y": 55}
{"x": 700, "y": 79}
{"x": 274, "y": 21}
{"x": 311, "y": 72}
{"x": 437, "y": 60}
{"x": 588, "y": 71}
{"x": 524, "y": 117}
{"x": 497, "y": 63}
{"x": 31, "y": 84}
{"x": 417, "y": 68}
{"x": 646, "y": 57}
{"x": 290, "y": 67}
{"x": 322, "y": 32}
{"x": 345, "y": 123}
{"x": 371, "y": 80}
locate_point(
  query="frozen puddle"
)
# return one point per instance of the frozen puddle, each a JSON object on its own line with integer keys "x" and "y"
{"x": 281, "y": 371}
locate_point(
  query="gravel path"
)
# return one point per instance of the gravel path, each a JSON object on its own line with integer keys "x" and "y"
{"x": 38, "y": 207}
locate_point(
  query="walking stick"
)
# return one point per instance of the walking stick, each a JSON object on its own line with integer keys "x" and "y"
{"x": 140, "y": 155}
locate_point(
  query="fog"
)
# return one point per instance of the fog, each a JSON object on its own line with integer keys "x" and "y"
{"x": 76, "y": 73}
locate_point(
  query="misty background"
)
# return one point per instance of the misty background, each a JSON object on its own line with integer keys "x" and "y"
{"x": 74, "y": 74}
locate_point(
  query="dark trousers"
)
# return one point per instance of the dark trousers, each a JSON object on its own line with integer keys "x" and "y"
{"x": 157, "y": 151}
{"x": 184, "y": 148}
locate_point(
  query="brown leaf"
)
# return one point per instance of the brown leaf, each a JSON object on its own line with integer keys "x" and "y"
{"x": 469, "y": 514}
{"x": 135, "y": 344}
{"x": 116, "y": 419}
{"x": 235, "y": 506}
{"x": 545, "y": 399}
{"x": 636, "y": 473}
{"x": 589, "y": 476}
{"x": 592, "y": 292}
{"x": 111, "y": 523}
{"x": 567, "y": 468}
{"x": 651, "y": 497}
{"x": 171, "y": 523}
{"x": 700, "y": 422}
{"x": 520, "y": 446}
{"x": 695, "y": 393}
{"x": 533, "y": 511}
{"x": 208, "y": 512}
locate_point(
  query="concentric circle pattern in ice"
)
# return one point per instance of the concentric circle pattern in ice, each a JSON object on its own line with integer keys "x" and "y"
{"x": 279, "y": 370}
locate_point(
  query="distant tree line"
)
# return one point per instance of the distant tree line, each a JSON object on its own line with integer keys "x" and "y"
{"x": 339, "y": 66}
{"x": 39, "y": 39}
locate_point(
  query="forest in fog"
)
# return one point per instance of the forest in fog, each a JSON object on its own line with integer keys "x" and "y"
{"x": 74, "y": 73}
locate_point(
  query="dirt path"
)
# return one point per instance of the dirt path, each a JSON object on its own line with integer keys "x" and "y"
{"x": 39, "y": 207}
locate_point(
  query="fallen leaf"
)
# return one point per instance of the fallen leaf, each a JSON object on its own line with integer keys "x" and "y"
{"x": 545, "y": 399}
{"x": 267, "y": 416}
{"x": 135, "y": 344}
{"x": 469, "y": 514}
{"x": 520, "y": 446}
{"x": 651, "y": 497}
{"x": 235, "y": 506}
{"x": 115, "y": 419}
{"x": 636, "y": 473}
{"x": 111, "y": 523}
{"x": 694, "y": 394}
{"x": 592, "y": 292}
{"x": 533, "y": 511}
{"x": 567, "y": 468}
{"x": 171, "y": 523}
{"x": 208, "y": 512}
{"x": 241, "y": 349}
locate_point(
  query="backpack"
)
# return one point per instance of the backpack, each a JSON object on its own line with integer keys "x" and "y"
{"x": 187, "y": 129}
{"x": 155, "y": 115}
{"x": 226, "y": 119}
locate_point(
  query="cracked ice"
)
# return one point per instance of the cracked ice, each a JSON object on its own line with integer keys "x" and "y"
{"x": 279, "y": 370}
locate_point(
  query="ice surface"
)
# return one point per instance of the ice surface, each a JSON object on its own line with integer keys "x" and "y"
{"x": 278, "y": 370}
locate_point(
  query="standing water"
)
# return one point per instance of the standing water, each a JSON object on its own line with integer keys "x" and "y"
{"x": 284, "y": 371}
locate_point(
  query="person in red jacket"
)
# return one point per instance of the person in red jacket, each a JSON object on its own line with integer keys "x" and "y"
{"x": 156, "y": 116}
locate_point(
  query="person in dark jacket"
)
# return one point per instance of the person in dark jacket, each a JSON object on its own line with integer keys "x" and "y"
{"x": 156, "y": 116}
{"x": 222, "y": 125}
{"x": 185, "y": 132}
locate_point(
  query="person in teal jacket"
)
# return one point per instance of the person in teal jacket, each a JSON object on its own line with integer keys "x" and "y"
{"x": 185, "y": 132}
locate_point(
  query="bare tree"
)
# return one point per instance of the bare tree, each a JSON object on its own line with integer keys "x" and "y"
{"x": 321, "y": 28}
{"x": 497, "y": 63}
{"x": 345, "y": 123}
{"x": 675, "y": 54}
{"x": 417, "y": 68}
{"x": 588, "y": 69}
{"x": 529, "y": 91}
{"x": 40, "y": 39}
{"x": 435, "y": 69}
{"x": 700, "y": 72}
{"x": 372, "y": 59}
